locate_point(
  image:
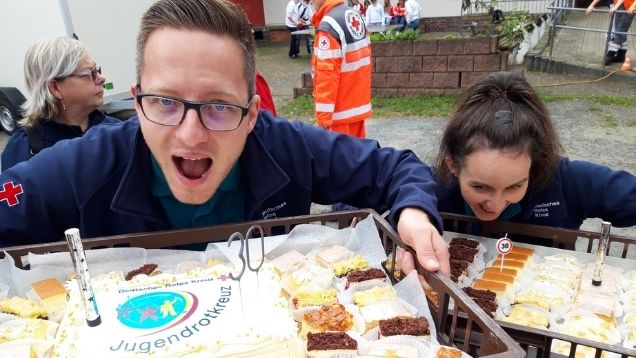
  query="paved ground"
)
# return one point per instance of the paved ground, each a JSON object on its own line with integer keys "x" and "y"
{"x": 585, "y": 48}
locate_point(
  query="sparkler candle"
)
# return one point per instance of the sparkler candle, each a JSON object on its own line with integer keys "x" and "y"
{"x": 597, "y": 278}
{"x": 76, "y": 249}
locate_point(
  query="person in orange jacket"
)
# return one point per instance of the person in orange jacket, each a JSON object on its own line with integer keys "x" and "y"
{"x": 341, "y": 68}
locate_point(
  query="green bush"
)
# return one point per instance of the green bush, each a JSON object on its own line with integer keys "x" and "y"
{"x": 406, "y": 35}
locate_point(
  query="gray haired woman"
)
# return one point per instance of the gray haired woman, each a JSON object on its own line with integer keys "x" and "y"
{"x": 66, "y": 87}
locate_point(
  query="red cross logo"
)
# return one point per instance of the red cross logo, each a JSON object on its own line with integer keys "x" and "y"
{"x": 355, "y": 23}
{"x": 223, "y": 277}
{"x": 323, "y": 43}
{"x": 10, "y": 193}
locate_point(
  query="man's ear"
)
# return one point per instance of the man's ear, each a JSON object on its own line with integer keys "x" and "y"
{"x": 252, "y": 113}
{"x": 133, "y": 93}
{"x": 450, "y": 164}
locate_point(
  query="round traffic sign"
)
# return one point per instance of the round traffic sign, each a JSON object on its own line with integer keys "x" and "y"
{"x": 504, "y": 245}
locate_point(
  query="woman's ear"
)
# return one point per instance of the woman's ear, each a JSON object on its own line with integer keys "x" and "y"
{"x": 450, "y": 165}
{"x": 55, "y": 89}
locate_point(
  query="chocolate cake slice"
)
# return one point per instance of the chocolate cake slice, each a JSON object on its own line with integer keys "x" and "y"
{"x": 365, "y": 275}
{"x": 485, "y": 299}
{"x": 147, "y": 269}
{"x": 486, "y": 294}
{"x": 458, "y": 268}
{"x": 462, "y": 241}
{"x": 404, "y": 326}
{"x": 330, "y": 341}
{"x": 464, "y": 253}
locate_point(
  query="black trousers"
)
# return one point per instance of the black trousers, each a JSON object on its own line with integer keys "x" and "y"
{"x": 294, "y": 42}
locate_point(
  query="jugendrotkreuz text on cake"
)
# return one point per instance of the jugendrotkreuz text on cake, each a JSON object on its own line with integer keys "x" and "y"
{"x": 189, "y": 330}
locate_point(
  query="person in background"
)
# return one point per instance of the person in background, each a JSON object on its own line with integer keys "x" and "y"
{"x": 305, "y": 13}
{"x": 374, "y": 14}
{"x": 263, "y": 91}
{"x": 65, "y": 87}
{"x": 617, "y": 46}
{"x": 201, "y": 153}
{"x": 387, "y": 10}
{"x": 291, "y": 22}
{"x": 341, "y": 68}
{"x": 412, "y": 11}
{"x": 358, "y": 6}
{"x": 398, "y": 15}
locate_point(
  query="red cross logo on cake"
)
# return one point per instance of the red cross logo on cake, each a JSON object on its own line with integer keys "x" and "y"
{"x": 10, "y": 192}
{"x": 355, "y": 24}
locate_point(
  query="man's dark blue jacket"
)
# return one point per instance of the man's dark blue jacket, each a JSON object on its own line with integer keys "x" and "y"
{"x": 100, "y": 182}
{"x": 579, "y": 190}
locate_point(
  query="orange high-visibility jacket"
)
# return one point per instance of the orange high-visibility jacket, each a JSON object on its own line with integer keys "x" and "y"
{"x": 626, "y": 3}
{"x": 341, "y": 65}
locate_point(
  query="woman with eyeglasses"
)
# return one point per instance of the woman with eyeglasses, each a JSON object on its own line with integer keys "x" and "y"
{"x": 66, "y": 88}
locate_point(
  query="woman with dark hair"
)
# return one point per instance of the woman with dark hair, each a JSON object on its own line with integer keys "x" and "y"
{"x": 500, "y": 158}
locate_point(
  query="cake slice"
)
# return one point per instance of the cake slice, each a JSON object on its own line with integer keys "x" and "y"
{"x": 499, "y": 288}
{"x": 343, "y": 267}
{"x": 374, "y": 295}
{"x": 52, "y": 297}
{"x": 147, "y": 269}
{"x": 371, "y": 276}
{"x": 314, "y": 298}
{"x": 409, "y": 326}
{"x": 22, "y": 308}
{"x": 383, "y": 349}
{"x": 331, "y": 344}
{"x": 462, "y": 241}
{"x": 288, "y": 261}
{"x": 327, "y": 318}
{"x": 333, "y": 254}
{"x": 504, "y": 271}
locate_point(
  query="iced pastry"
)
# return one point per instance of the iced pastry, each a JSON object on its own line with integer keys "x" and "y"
{"x": 308, "y": 277}
{"x": 343, "y": 267}
{"x": 288, "y": 261}
{"x": 528, "y": 316}
{"x": 314, "y": 298}
{"x": 333, "y": 254}
{"x": 22, "y": 308}
{"x": 374, "y": 295}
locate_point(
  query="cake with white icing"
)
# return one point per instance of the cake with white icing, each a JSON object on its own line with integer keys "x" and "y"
{"x": 201, "y": 313}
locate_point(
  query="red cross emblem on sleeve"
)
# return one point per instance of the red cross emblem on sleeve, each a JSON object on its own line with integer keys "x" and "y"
{"x": 10, "y": 192}
{"x": 355, "y": 23}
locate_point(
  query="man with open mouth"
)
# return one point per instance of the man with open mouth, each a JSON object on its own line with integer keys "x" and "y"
{"x": 201, "y": 153}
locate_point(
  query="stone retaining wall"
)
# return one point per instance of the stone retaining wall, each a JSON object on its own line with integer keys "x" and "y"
{"x": 433, "y": 66}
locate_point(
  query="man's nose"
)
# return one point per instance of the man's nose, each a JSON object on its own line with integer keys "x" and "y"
{"x": 191, "y": 131}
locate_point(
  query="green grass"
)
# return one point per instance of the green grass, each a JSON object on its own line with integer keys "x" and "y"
{"x": 426, "y": 106}
{"x": 440, "y": 106}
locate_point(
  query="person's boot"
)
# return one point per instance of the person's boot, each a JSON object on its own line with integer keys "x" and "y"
{"x": 610, "y": 57}
{"x": 620, "y": 55}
